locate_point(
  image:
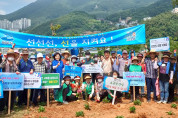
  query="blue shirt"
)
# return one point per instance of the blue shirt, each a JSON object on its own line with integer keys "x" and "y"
{"x": 59, "y": 68}
{"x": 25, "y": 66}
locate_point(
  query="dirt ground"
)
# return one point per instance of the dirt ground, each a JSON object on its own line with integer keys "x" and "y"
{"x": 98, "y": 110}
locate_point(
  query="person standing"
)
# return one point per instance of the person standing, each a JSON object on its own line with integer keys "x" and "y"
{"x": 143, "y": 65}
{"x": 39, "y": 67}
{"x": 165, "y": 76}
{"x": 25, "y": 66}
{"x": 66, "y": 55}
{"x": 134, "y": 67}
{"x": 174, "y": 67}
{"x": 107, "y": 63}
{"x": 57, "y": 66}
{"x": 151, "y": 73}
{"x": 9, "y": 65}
{"x": 123, "y": 63}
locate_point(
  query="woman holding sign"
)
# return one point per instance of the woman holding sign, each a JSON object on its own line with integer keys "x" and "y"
{"x": 9, "y": 65}
{"x": 115, "y": 75}
{"x": 134, "y": 67}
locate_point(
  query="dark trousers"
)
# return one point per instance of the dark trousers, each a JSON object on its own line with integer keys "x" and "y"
{"x": 103, "y": 95}
{"x": 35, "y": 96}
{"x": 84, "y": 95}
{"x": 118, "y": 94}
{"x": 151, "y": 83}
{"x": 171, "y": 91}
{"x": 136, "y": 91}
{"x": 4, "y": 101}
{"x": 68, "y": 98}
{"x": 22, "y": 97}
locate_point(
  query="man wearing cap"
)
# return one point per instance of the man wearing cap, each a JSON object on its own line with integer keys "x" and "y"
{"x": 9, "y": 65}
{"x": 25, "y": 66}
{"x": 174, "y": 67}
{"x": 65, "y": 95}
{"x": 74, "y": 62}
{"x": 48, "y": 62}
{"x": 123, "y": 63}
{"x": 113, "y": 54}
{"x": 151, "y": 73}
{"x": 66, "y": 55}
{"x": 32, "y": 58}
{"x": 165, "y": 76}
{"x": 39, "y": 67}
{"x": 88, "y": 88}
{"x": 100, "y": 92}
{"x": 88, "y": 59}
{"x": 107, "y": 63}
{"x": 134, "y": 67}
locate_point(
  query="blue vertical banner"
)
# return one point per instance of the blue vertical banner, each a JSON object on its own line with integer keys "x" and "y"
{"x": 12, "y": 81}
{"x": 1, "y": 89}
{"x": 128, "y": 36}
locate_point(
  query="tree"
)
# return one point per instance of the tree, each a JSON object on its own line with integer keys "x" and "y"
{"x": 54, "y": 28}
{"x": 174, "y": 3}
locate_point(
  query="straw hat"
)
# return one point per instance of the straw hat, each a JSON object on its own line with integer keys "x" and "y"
{"x": 173, "y": 57}
{"x": 166, "y": 53}
{"x": 66, "y": 52}
{"x": 87, "y": 77}
{"x": 25, "y": 51}
{"x": 10, "y": 51}
{"x": 165, "y": 56}
{"x": 134, "y": 59}
{"x": 152, "y": 51}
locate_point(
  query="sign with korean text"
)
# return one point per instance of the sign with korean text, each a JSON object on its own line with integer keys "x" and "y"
{"x": 1, "y": 89}
{"x": 127, "y": 36}
{"x": 12, "y": 81}
{"x": 32, "y": 81}
{"x": 51, "y": 80}
{"x": 160, "y": 44}
{"x": 135, "y": 78}
{"x": 73, "y": 71}
{"x": 116, "y": 84}
{"x": 95, "y": 68}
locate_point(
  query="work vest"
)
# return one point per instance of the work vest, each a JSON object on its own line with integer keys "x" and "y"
{"x": 88, "y": 88}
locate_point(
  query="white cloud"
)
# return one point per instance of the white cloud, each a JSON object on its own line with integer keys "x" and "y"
{"x": 2, "y": 12}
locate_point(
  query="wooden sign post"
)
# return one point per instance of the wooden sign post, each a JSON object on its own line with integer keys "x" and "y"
{"x": 48, "y": 97}
{"x": 113, "y": 99}
{"x": 9, "y": 103}
{"x": 28, "y": 98}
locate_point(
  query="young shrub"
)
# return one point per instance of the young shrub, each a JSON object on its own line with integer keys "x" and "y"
{"x": 132, "y": 109}
{"x": 105, "y": 100}
{"x": 87, "y": 106}
{"x": 170, "y": 113}
{"x": 79, "y": 113}
{"x": 174, "y": 106}
{"x": 137, "y": 102}
{"x": 119, "y": 116}
{"x": 41, "y": 109}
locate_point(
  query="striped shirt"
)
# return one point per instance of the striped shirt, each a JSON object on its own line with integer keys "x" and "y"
{"x": 151, "y": 70}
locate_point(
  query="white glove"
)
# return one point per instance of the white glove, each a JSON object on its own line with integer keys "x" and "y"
{"x": 90, "y": 96}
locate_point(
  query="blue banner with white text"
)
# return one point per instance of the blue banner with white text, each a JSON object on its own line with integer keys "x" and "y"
{"x": 128, "y": 36}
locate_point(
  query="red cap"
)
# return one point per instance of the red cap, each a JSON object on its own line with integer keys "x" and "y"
{"x": 47, "y": 58}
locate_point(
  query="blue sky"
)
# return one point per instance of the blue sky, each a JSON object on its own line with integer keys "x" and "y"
{"x": 9, "y": 6}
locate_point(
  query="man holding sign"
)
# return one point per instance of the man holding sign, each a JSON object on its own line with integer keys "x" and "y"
{"x": 25, "y": 66}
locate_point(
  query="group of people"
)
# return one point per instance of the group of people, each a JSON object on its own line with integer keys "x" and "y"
{"x": 155, "y": 67}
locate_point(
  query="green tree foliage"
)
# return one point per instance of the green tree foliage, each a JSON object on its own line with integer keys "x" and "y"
{"x": 139, "y": 13}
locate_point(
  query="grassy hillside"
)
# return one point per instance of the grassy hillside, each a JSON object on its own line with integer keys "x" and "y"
{"x": 75, "y": 22}
{"x": 44, "y": 10}
{"x": 139, "y": 13}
